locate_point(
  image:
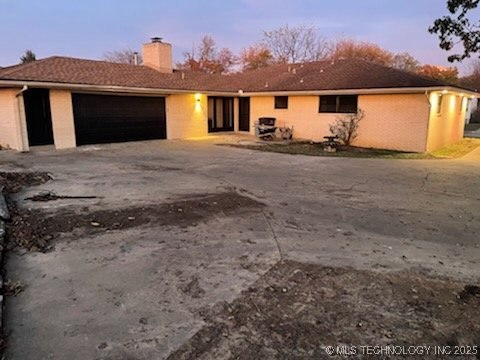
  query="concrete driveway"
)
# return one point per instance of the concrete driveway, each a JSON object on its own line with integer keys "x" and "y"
{"x": 137, "y": 293}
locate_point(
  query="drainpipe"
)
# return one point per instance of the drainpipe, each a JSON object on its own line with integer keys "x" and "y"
{"x": 21, "y": 119}
{"x": 25, "y": 88}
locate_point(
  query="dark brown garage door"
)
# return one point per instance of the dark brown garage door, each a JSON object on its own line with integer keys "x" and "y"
{"x": 109, "y": 118}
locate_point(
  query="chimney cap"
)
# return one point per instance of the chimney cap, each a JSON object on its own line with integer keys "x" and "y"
{"x": 156, "y": 39}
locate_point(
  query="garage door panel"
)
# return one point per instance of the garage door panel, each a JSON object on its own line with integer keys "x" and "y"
{"x": 108, "y": 118}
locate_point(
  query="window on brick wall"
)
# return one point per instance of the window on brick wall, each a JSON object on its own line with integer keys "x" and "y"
{"x": 439, "y": 103}
{"x": 338, "y": 104}
{"x": 281, "y": 102}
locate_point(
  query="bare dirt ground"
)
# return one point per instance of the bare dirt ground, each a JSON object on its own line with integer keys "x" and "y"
{"x": 296, "y": 309}
{"x": 14, "y": 181}
{"x": 216, "y": 253}
{"x": 35, "y": 230}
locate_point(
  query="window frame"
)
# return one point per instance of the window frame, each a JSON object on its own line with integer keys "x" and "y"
{"x": 338, "y": 105}
{"x": 440, "y": 104}
{"x": 280, "y": 106}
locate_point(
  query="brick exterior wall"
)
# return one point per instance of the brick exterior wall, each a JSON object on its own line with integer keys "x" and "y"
{"x": 158, "y": 56}
{"x": 62, "y": 119}
{"x": 397, "y": 122}
{"x": 10, "y": 132}
{"x": 446, "y": 126}
{"x": 186, "y": 117}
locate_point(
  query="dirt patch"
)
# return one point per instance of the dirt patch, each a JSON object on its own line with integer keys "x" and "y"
{"x": 192, "y": 288}
{"x": 295, "y": 310}
{"x": 13, "y": 288}
{"x": 34, "y": 229}
{"x": 14, "y": 181}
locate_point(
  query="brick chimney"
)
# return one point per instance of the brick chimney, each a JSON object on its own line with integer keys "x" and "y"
{"x": 158, "y": 55}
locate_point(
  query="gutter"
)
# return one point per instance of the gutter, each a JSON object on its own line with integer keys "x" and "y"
{"x": 107, "y": 88}
{"x": 409, "y": 90}
{"x": 239, "y": 93}
{"x": 25, "y": 88}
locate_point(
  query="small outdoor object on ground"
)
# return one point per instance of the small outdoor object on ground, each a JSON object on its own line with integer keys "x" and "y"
{"x": 13, "y": 288}
{"x": 49, "y": 196}
{"x": 330, "y": 144}
{"x": 286, "y": 133}
{"x": 265, "y": 128}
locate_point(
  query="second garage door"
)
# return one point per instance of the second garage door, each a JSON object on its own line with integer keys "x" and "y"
{"x": 109, "y": 118}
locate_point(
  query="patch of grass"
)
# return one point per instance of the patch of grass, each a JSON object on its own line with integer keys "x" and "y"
{"x": 472, "y": 127}
{"x": 303, "y": 148}
{"x": 457, "y": 150}
{"x": 311, "y": 149}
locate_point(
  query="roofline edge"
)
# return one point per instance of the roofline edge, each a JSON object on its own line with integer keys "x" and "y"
{"x": 152, "y": 91}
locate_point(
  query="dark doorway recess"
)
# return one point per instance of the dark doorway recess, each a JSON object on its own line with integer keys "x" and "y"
{"x": 244, "y": 114}
{"x": 38, "y": 116}
{"x": 112, "y": 118}
{"x": 220, "y": 114}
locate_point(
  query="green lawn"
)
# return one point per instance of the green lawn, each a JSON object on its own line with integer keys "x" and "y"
{"x": 457, "y": 150}
{"x": 305, "y": 148}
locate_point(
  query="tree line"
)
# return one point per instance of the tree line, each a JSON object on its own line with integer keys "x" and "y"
{"x": 293, "y": 44}
{"x": 300, "y": 44}
{"x": 297, "y": 44}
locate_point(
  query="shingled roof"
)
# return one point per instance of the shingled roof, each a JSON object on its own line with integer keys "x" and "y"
{"x": 66, "y": 70}
{"x": 315, "y": 76}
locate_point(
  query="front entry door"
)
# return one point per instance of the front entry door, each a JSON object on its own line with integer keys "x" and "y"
{"x": 244, "y": 114}
{"x": 220, "y": 114}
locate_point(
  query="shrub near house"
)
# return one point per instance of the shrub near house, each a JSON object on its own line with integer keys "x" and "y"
{"x": 346, "y": 127}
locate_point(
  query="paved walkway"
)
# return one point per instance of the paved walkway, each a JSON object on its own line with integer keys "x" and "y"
{"x": 473, "y": 156}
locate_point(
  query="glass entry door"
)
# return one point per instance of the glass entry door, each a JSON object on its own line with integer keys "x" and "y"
{"x": 220, "y": 113}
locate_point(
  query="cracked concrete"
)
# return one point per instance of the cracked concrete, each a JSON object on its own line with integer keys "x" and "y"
{"x": 119, "y": 294}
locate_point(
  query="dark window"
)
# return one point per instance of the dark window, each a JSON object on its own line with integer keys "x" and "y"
{"x": 281, "y": 102}
{"x": 328, "y": 104}
{"x": 338, "y": 104}
{"x": 347, "y": 104}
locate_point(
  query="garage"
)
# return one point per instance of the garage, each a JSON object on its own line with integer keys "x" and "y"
{"x": 109, "y": 118}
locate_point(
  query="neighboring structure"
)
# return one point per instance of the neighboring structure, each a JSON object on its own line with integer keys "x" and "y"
{"x": 69, "y": 102}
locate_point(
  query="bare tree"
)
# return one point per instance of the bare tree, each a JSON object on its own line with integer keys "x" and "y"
{"x": 296, "y": 44}
{"x": 346, "y": 127}
{"x": 125, "y": 56}
{"x": 405, "y": 61}
{"x": 472, "y": 79}
{"x": 206, "y": 58}
{"x": 29, "y": 56}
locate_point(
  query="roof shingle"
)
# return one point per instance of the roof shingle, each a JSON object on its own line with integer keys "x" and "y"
{"x": 314, "y": 76}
